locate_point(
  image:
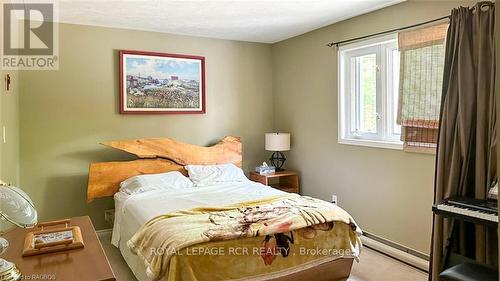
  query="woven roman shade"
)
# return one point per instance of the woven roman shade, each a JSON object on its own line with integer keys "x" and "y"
{"x": 420, "y": 86}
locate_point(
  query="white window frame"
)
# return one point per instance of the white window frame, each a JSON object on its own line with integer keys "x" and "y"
{"x": 385, "y": 137}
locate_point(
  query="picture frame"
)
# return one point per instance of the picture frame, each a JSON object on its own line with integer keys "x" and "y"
{"x": 44, "y": 241}
{"x": 161, "y": 83}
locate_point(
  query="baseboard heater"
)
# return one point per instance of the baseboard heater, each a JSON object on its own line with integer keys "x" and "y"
{"x": 397, "y": 251}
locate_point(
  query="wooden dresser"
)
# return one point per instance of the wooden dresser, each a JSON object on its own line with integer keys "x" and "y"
{"x": 85, "y": 264}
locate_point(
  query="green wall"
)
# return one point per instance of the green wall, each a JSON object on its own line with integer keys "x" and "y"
{"x": 9, "y": 118}
{"x": 251, "y": 89}
{"x": 66, "y": 113}
{"x": 388, "y": 192}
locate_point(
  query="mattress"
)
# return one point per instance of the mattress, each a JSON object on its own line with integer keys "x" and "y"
{"x": 140, "y": 208}
{"x": 132, "y": 211}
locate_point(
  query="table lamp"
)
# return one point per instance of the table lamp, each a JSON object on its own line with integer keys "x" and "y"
{"x": 17, "y": 208}
{"x": 278, "y": 142}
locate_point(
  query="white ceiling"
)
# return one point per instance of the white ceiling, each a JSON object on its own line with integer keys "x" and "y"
{"x": 266, "y": 21}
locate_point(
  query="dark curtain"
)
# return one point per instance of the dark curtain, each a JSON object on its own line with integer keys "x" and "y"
{"x": 466, "y": 153}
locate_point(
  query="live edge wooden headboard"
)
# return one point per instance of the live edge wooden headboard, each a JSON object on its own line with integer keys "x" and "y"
{"x": 157, "y": 156}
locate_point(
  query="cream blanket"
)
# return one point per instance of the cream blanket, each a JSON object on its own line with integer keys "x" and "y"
{"x": 166, "y": 235}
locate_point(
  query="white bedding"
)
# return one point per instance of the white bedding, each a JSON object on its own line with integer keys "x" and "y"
{"x": 132, "y": 211}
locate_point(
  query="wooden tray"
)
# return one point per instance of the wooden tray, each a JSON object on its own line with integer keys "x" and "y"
{"x": 32, "y": 248}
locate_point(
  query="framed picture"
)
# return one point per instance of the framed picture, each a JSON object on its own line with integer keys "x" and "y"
{"x": 158, "y": 83}
{"x": 44, "y": 241}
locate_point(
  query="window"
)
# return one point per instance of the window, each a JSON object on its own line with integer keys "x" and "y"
{"x": 369, "y": 87}
{"x": 390, "y": 90}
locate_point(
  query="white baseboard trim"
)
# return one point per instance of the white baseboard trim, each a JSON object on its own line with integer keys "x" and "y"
{"x": 396, "y": 253}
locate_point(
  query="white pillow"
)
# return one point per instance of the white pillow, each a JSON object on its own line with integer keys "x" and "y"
{"x": 167, "y": 181}
{"x": 203, "y": 175}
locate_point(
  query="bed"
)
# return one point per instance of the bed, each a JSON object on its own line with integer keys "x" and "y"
{"x": 133, "y": 211}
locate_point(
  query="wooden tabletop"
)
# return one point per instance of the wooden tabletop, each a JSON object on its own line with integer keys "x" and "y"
{"x": 85, "y": 264}
{"x": 276, "y": 174}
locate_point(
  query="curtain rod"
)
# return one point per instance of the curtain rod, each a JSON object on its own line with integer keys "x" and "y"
{"x": 331, "y": 44}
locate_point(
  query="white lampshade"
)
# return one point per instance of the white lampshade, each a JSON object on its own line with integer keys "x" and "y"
{"x": 277, "y": 141}
{"x": 16, "y": 207}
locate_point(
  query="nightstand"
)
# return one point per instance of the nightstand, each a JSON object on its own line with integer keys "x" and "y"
{"x": 86, "y": 264}
{"x": 285, "y": 180}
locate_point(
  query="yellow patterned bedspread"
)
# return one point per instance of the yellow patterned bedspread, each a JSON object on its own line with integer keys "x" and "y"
{"x": 245, "y": 240}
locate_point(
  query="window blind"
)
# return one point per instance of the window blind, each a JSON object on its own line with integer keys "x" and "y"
{"x": 420, "y": 86}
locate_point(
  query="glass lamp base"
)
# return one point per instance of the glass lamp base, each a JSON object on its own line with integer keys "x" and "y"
{"x": 9, "y": 271}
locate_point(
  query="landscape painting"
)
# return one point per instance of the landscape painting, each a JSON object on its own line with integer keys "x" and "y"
{"x": 158, "y": 83}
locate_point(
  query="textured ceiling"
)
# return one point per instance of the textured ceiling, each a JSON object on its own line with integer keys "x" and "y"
{"x": 267, "y": 21}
